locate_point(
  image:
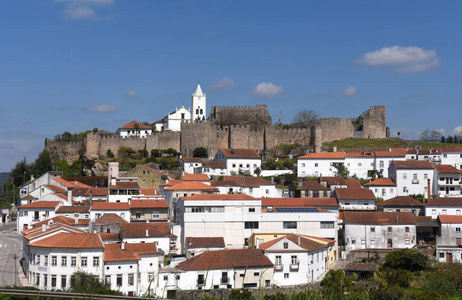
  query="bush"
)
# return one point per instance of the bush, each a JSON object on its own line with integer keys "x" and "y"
{"x": 407, "y": 259}
{"x": 200, "y": 152}
{"x": 243, "y": 294}
{"x": 109, "y": 154}
{"x": 143, "y": 153}
{"x": 125, "y": 151}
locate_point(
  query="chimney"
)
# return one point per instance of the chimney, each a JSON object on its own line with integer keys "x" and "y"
{"x": 272, "y": 179}
{"x": 428, "y": 191}
{"x": 69, "y": 197}
{"x": 147, "y": 232}
{"x": 335, "y": 148}
{"x": 389, "y": 149}
{"x": 76, "y": 218}
{"x": 91, "y": 198}
{"x": 298, "y": 239}
{"x": 31, "y": 178}
{"x": 122, "y": 246}
{"x": 44, "y": 227}
{"x": 397, "y": 218}
{"x": 300, "y": 182}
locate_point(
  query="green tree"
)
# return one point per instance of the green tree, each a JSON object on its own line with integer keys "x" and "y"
{"x": 95, "y": 130}
{"x": 85, "y": 283}
{"x": 288, "y": 163}
{"x": 271, "y": 163}
{"x": 200, "y": 152}
{"x": 342, "y": 171}
{"x": 456, "y": 140}
{"x": 443, "y": 139}
{"x": 335, "y": 284}
{"x": 20, "y": 173}
{"x": 430, "y": 136}
{"x": 449, "y": 140}
{"x": 42, "y": 164}
{"x": 407, "y": 259}
{"x": 257, "y": 171}
{"x": 109, "y": 153}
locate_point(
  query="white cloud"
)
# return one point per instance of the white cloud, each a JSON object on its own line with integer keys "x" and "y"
{"x": 458, "y": 131}
{"x": 84, "y": 9}
{"x": 349, "y": 91}
{"x": 442, "y": 131}
{"x": 104, "y": 108}
{"x": 267, "y": 89}
{"x": 225, "y": 82}
{"x": 403, "y": 59}
{"x": 131, "y": 94}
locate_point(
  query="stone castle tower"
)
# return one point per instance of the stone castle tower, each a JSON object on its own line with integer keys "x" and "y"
{"x": 198, "y": 104}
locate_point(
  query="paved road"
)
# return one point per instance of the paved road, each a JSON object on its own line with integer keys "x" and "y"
{"x": 10, "y": 245}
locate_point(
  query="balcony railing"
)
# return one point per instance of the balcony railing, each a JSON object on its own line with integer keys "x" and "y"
{"x": 415, "y": 181}
{"x": 278, "y": 267}
{"x": 294, "y": 266}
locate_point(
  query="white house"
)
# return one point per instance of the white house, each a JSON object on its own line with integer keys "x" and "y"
{"x": 412, "y": 177}
{"x": 383, "y": 188}
{"x": 239, "y": 160}
{"x": 121, "y": 209}
{"x": 355, "y": 199}
{"x": 297, "y": 260}
{"x": 190, "y": 164}
{"x": 316, "y": 164}
{"x": 134, "y": 129}
{"x": 452, "y": 156}
{"x": 402, "y": 204}
{"x": 378, "y": 230}
{"x": 197, "y": 245}
{"x": 172, "y": 121}
{"x": 383, "y": 159}
{"x": 211, "y": 168}
{"x": 448, "y": 243}
{"x": 26, "y": 190}
{"x": 35, "y": 212}
{"x": 253, "y": 186}
{"x": 447, "y": 181}
{"x": 360, "y": 164}
{"x": 444, "y": 206}
{"x": 158, "y": 233}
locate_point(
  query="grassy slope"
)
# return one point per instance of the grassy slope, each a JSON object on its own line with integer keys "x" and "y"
{"x": 384, "y": 143}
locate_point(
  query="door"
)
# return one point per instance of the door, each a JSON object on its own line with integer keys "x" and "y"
{"x": 449, "y": 257}
{"x": 458, "y": 243}
{"x": 390, "y": 243}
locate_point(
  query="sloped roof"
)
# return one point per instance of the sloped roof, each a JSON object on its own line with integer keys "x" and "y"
{"x": 195, "y": 177}
{"x": 405, "y": 201}
{"x": 354, "y": 194}
{"x": 110, "y": 218}
{"x": 245, "y": 181}
{"x": 205, "y": 242}
{"x": 353, "y": 183}
{"x": 361, "y": 267}
{"x": 70, "y": 240}
{"x": 149, "y": 192}
{"x": 154, "y": 203}
{"x": 323, "y": 155}
{"x": 125, "y": 185}
{"x": 190, "y": 185}
{"x": 41, "y": 204}
{"x": 28, "y": 197}
{"x": 381, "y": 182}
{"x": 445, "y": 201}
{"x": 391, "y": 153}
{"x": 240, "y": 153}
{"x": 113, "y": 252}
{"x": 337, "y": 180}
{"x": 113, "y": 236}
{"x": 64, "y": 182}
{"x": 378, "y": 217}
{"x": 170, "y": 182}
{"x": 298, "y": 202}
{"x": 155, "y": 170}
{"x": 55, "y": 188}
{"x": 412, "y": 164}
{"x": 35, "y": 232}
{"x": 134, "y": 230}
{"x": 219, "y": 197}
{"x": 447, "y": 169}
{"x": 451, "y": 150}
{"x": 110, "y": 206}
{"x": 191, "y": 159}
{"x": 198, "y": 91}
{"x": 131, "y": 125}
{"x": 63, "y": 220}
{"x": 306, "y": 244}
{"x": 74, "y": 209}
{"x": 450, "y": 219}
{"x": 214, "y": 164}
{"x": 226, "y": 259}
{"x": 312, "y": 185}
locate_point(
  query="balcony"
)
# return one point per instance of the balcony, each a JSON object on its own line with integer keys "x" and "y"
{"x": 415, "y": 181}
{"x": 278, "y": 267}
{"x": 294, "y": 266}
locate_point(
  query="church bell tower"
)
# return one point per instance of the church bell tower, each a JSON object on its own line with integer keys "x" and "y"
{"x": 198, "y": 106}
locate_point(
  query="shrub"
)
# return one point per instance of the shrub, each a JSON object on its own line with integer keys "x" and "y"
{"x": 407, "y": 259}
{"x": 109, "y": 154}
{"x": 200, "y": 152}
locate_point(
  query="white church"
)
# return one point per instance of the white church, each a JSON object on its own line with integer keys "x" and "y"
{"x": 172, "y": 121}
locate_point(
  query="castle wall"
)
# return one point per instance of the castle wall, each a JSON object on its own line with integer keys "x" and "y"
{"x": 69, "y": 152}
{"x": 240, "y": 115}
{"x": 336, "y": 129}
{"x": 242, "y": 137}
{"x": 374, "y": 122}
{"x": 275, "y": 137}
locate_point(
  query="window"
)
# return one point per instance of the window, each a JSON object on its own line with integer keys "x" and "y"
{"x": 63, "y": 281}
{"x": 54, "y": 260}
{"x": 267, "y": 191}
{"x": 53, "y": 281}
{"x": 363, "y": 242}
{"x": 131, "y": 279}
{"x": 122, "y": 215}
{"x": 73, "y": 261}
{"x": 404, "y": 189}
{"x": 251, "y": 209}
{"x": 294, "y": 260}
{"x": 46, "y": 261}
{"x": 278, "y": 261}
{"x": 107, "y": 280}
{"x": 45, "y": 279}
{"x": 289, "y": 225}
{"x": 267, "y": 282}
{"x": 286, "y": 275}
{"x": 84, "y": 261}
{"x": 200, "y": 279}
{"x": 234, "y": 165}
{"x": 38, "y": 260}
{"x": 95, "y": 261}
{"x": 64, "y": 261}
{"x": 144, "y": 182}
{"x": 316, "y": 165}
{"x": 407, "y": 242}
{"x": 251, "y": 225}
{"x": 37, "y": 279}
{"x": 303, "y": 165}
{"x": 372, "y": 229}
{"x": 441, "y": 254}
{"x": 327, "y": 225}
{"x": 372, "y": 242}
{"x": 406, "y": 229}
{"x": 384, "y": 192}
{"x": 425, "y": 176}
{"x": 360, "y": 164}
{"x": 155, "y": 215}
{"x": 390, "y": 229}
{"x": 286, "y": 245}
{"x": 138, "y": 214}
{"x": 445, "y": 212}
{"x": 457, "y": 229}
{"x": 119, "y": 279}
{"x": 256, "y": 273}
{"x": 433, "y": 211}
{"x": 165, "y": 277}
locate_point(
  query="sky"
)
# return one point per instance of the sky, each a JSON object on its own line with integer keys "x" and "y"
{"x": 73, "y": 65}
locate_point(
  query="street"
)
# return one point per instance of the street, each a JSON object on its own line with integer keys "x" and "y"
{"x": 10, "y": 247}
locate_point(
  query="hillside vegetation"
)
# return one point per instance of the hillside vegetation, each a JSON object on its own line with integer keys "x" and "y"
{"x": 384, "y": 143}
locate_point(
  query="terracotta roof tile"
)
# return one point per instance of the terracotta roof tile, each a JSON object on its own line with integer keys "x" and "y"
{"x": 157, "y": 203}
{"x": 392, "y": 153}
{"x": 41, "y": 204}
{"x": 64, "y": 182}
{"x": 305, "y": 243}
{"x": 55, "y": 188}
{"x": 134, "y": 230}
{"x": 445, "y": 201}
{"x": 62, "y": 220}
{"x": 412, "y": 164}
{"x": 354, "y": 194}
{"x": 191, "y": 185}
{"x": 338, "y": 180}
{"x": 240, "y": 153}
{"x": 381, "y": 182}
{"x": 214, "y": 165}
{"x": 195, "y": 177}
{"x": 149, "y": 192}
{"x": 70, "y": 240}
{"x": 155, "y": 170}
{"x": 450, "y": 219}
{"x": 378, "y": 217}
{"x": 109, "y": 236}
{"x": 226, "y": 259}
{"x": 218, "y": 197}
{"x": 191, "y": 159}
{"x": 28, "y": 197}
{"x": 131, "y": 125}
{"x": 101, "y": 191}
{"x": 447, "y": 169}
{"x": 110, "y": 206}
{"x": 125, "y": 185}
{"x": 171, "y": 182}
{"x": 205, "y": 242}
{"x": 312, "y": 185}
{"x": 113, "y": 252}
{"x": 451, "y": 150}
{"x": 353, "y": 183}
{"x": 74, "y": 209}
{"x": 401, "y": 201}
{"x": 110, "y": 218}
{"x": 323, "y": 155}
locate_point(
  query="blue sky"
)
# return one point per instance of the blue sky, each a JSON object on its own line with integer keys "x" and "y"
{"x": 78, "y": 64}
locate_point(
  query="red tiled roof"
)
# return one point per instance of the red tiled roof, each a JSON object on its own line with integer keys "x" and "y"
{"x": 149, "y": 192}
{"x": 338, "y": 180}
{"x": 155, "y": 170}
{"x": 451, "y": 150}
{"x": 50, "y": 229}
{"x": 445, "y": 201}
{"x": 307, "y": 244}
{"x": 381, "y": 182}
{"x": 227, "y": 259}
{"x": 205, "y": 242}
{"x": 110, "y": 206}
{"x": 323, "y": 155}
{"x": 354, "y": 194}
{"x": 55, "y": 188}
{"x": 219, "y": 197}
{"x": 74, "y": 209}
{"x": 113, "y": 252}
{"x": 109, "y": 236}
{"x": 240, "y": 153}
{"x": 298, "y": 202}
{"x": 62, "y": 220}
{"x": 41, "y": 204}
{"x": 111, "y": 218}
{"x": 214, "y": 164}
{"x": 412, "y": 164}
{"x": 312, "y": 185}
{"x": 155, "y": 203}
{"x": 450, "y": 219}
{"x": 131, "y": 125}
{"x": 191, "y": 159}
{"x": 401, "y": 201}
{"x": 125, "y": 185}
{"x": 171, "y": 182}
{"x": 135, "y": 230}
{"x": 378, "y": 217}
{"x": 447, "y": 169}
{"x": 353, "y": 183}
{"x": 70, "y": 240}
{"x": 391, "y": 153}
{"x": 195, "y": 177}
{"x": 101, "y": 191}
{"x": 28, "y": 197}
{"x": 191, "y": 185}
{"x": 64, "y": 182}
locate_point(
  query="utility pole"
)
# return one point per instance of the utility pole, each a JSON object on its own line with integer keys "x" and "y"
{"x": 15, "y": 257}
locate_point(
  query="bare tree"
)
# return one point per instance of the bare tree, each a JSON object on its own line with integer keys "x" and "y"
{"x": 430, "y": 136}
{"x": 305, "y": 118}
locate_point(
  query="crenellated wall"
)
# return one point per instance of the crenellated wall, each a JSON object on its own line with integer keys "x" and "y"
{"x": 257, "y": 115}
